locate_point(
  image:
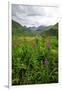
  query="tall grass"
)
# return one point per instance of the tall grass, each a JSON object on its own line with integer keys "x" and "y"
{"x": 34, "y": 60}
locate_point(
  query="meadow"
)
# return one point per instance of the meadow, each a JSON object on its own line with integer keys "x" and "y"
{"x": 34, "y": 59}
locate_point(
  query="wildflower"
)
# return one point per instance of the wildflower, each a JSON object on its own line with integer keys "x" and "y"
{"x": 34, "y": 45}
{"x": 48, "y": 44}
{"x": 46, "y": 61}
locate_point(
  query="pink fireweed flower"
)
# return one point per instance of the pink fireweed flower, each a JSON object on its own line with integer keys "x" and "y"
{"x": 34, "y": 45}
{"x": 48, "y": 45}
{"x": 46, "y": 61}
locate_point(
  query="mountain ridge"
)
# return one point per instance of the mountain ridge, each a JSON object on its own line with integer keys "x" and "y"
{"x": 19, "y": 29}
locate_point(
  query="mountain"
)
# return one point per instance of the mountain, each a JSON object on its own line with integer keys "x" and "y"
{"x": 39, "y": 28}
{"x": 53, "y": 31}
{"x": 32, "y": 28}
{"x": 32, "y": 31}
{"x": 18, "y": 29}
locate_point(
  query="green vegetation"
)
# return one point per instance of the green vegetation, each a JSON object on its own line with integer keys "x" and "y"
{"x": 34, "y": 56}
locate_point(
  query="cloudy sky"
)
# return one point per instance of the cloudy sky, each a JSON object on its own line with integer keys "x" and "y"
{"x": 29, "y": 15}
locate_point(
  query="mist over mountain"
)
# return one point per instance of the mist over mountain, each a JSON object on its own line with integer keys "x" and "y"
{"x": 37, "y": 28}
{"x": 31, "y": 31}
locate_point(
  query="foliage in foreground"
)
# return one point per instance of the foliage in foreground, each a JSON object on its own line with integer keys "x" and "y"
{"x": 34, "y": 60}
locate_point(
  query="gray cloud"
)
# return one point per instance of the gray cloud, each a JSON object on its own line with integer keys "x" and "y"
{"x": 34, "y": 15}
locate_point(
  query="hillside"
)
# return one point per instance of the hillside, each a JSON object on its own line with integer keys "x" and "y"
{"x": 18, "y": 29}
{"x": 53, "y": 31}
{"x": 34, "y": 56}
